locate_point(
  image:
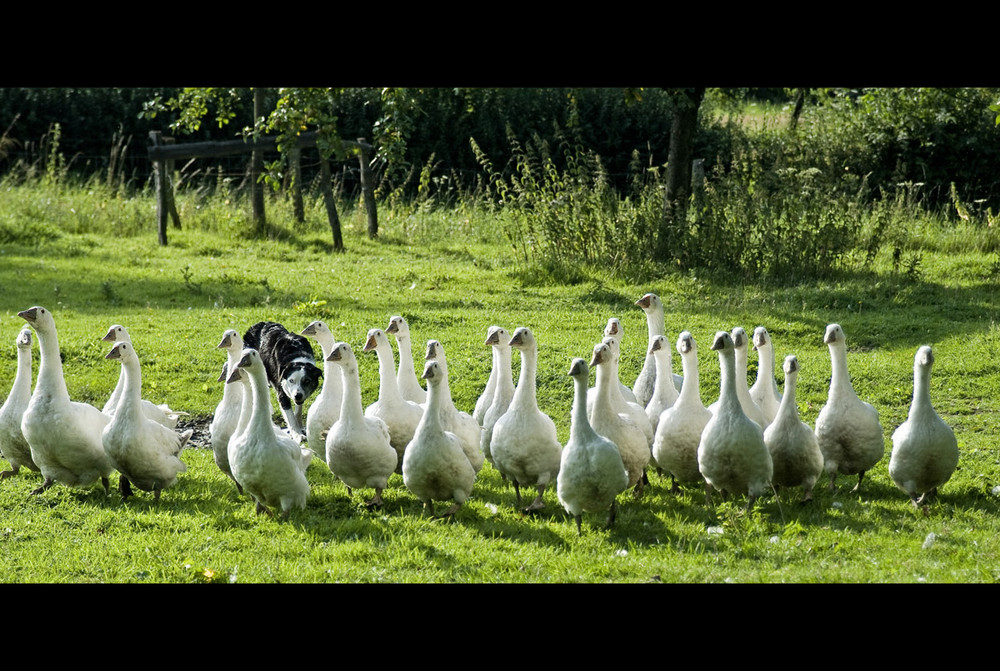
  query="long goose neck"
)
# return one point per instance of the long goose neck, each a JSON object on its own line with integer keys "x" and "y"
{"x": 524, "y": 394}
{"x": 604, "y": 380}
{"x": 727, "y": 385}
{"x": 350, "y": 404}
{"x": 132, "y": 388}
{"x": 333, "y": 377}
{"x": 431, "y": 419}
{"x": 22, "y": 379}
{"x": 580, "y": 429}
{"x": 405, "y": 355}
{"x": 260, "y": 414}
{"x": 766, "y": 361}
{"x": 788, "y": 398}
{"x": 690, "y": 388}
{"x": 840, "y": 379}
{"x": 505, "y": 376}
{"x": 654, "y": 324}
{"x": 921, "y": 391}
{"x": 387, "y": 386}
{"x": 50, "y": 371}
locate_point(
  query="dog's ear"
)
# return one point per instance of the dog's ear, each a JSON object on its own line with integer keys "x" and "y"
{"x": 315, "y": 370}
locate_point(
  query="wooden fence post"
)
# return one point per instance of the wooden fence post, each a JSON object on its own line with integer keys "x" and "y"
{"x": 257, "y": 169}
{"x": 331, "y": 205}
{"x": 162, "y": 185}
{"x": 368, "y": 189}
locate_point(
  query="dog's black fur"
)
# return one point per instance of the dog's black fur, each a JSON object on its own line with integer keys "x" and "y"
{"x": 284, "y": 354}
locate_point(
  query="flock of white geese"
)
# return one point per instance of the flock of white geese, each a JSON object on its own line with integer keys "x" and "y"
{"x": 750, "y": 441}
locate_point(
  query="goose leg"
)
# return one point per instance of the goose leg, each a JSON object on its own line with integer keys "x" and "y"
{"x": 578, "y": 518}
{"x": 448, "y": 513}
{"x": 611, "y": 514}
{"x": 376, "y": 501}
{"x": 857, "y": 487}
{"x": 125, "y": 487}
{"x": 517, "y": 491}
{"x": 11, "y": 472}
{"x": 537, "y": 504}
{"x": 48, "y": 482}
{"x": 107, "y": 486}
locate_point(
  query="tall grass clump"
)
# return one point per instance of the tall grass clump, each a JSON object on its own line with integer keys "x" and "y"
{"x": 561, "y": 218}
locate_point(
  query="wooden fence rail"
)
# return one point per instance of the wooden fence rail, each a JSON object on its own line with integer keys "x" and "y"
{"x": 163, "y": 152}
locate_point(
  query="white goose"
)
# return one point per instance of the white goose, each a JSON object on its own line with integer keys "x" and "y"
{"x": 13, "y": 446}
{"x": 664, "y": 392}
{"x": 64, "y": 436}
{"x": 794, "y": 451}
{"x": 732, "y": 456}
{"x": 406, "y": 377}
{"x": 764, "y": 391}
{"x": 645, "y": 382}
{"x": 924, "y": 448}
{"x": 630, "y": 408}
{"x": 227, "y": 413}
{"x": 434, "y": 464}
{"x": 675, "y": 447}
{"x": 452, "y": 419}
{"x": 524, "y": 445}
{"x": 848, "y": 430}
{"x": 358, "y": 450}
{"x": 615, "y": 425}
{"x": 400, "y": 415}
{"x": 270, "y": 465}
{"x": 616, "y": 331}
{"x": 325, "y": 410}
{"x": 750, "y": 409}
{"x": 591, "y": 471}
{"x": 146, "y": 453}
{"x": 158, "y": 413}
{"x": 486, "y": 398}
{"x": 499, "y": 339}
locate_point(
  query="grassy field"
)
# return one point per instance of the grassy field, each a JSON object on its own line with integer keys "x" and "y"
{"x": 451, "y": 276}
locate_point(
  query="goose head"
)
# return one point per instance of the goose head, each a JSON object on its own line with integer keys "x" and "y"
{"x": 435, "y": 351}
{"x": 376, "y": 339}
{"x": 834, "y": 335}
{"x": 761, "y": 338}
{"x": 523, "y": 339}
{"x": 739, "y": 338}
{"x": 924, "y": 358}
{"x": 432, "y": 372}
{"x": 23, "y": 339}
{"x": 250, "y": 359}
{"x": 614, "y": 329}
{"x": 399, "y": 327}
{"x": 235, "y": 376}
{"x": 315, "y": 328}
{"x": 578, "y": 369}
{"x": 658, "y": 343}
{"x": 791, "y": 364}
{"x": 614, "y": 347}
{"x": 116, "y": 333}
{"x": 121, "y": 350}
{"x": 497, "y": 335}
{"x": 602, "y": 353}
{"x": 723, "y": 341}
{"x": 341, "y": 353}
{"x": 231, "y": 340}
{"x": 685, "y": 343}
{"x": 649, "y": 303}
{"x": 39, "y": 318}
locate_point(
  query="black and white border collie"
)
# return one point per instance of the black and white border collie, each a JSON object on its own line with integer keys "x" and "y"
{"x": 291, "y": 368}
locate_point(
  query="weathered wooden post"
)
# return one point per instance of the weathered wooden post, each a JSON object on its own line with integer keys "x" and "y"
{"x": 367, "y": 188}
{"x": 257, "y": 169}
{"x": 162, "y": 185}
{"x": 295, "y": 165}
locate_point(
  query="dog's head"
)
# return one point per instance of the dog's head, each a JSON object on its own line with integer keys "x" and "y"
{"x": 299, "y": 381}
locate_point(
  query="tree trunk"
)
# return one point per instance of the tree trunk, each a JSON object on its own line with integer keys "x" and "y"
{"x": 800, "y": 100}
{"x": 295, "y": 165}
{"x": 326, "y": 178}
{"x": 256, "y": 170}
{"x": 678, "y": 187}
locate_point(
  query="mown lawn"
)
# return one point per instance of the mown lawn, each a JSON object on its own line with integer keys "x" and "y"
{"x": 452, "y": 279}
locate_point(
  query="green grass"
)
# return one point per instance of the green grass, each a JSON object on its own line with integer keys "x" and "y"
{"x": 452, "y": 276}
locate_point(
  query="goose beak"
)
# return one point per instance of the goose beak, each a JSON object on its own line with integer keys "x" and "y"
{"x": 309, "y": 330}
{"x": 684, "y": 346}
{"x": 598, "y": 357}
{"x": 335, "y": 355}
{"x": 370, "y": 343}
{"x": 115, "y": 353}
{"x": 429, "y": 371}
{"x": 644, "y": 302}
{"x": 577, "y": 368}
{"x": 655, "y": 346}
{"x": 222, "y": 377}
{"x": 392, "y": 327}
{"x": 831, "y": 334}
{"x": 109, "y": 336}
{"x": 28, "y": 315}
{"x": 431, "y": 350}
{"x": 244, "y": 361}
{"x": 720, "y": 340}
{"x": 493, "y": 338}
{"x": 235, "y": 377}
